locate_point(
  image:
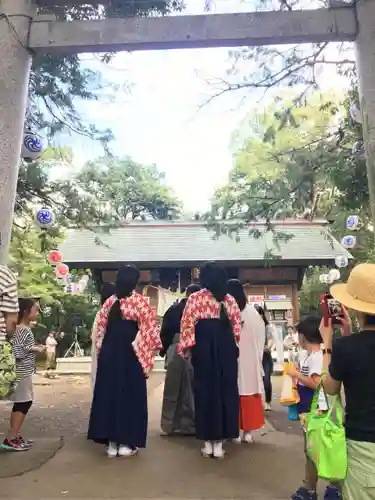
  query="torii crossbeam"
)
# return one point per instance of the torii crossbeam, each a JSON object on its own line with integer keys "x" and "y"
{"x": 22, "y": 33}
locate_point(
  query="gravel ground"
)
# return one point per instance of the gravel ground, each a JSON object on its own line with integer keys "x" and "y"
{"x": 62, "y": 407}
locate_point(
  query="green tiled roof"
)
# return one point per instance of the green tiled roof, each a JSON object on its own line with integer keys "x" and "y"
{"x": 191, "y": 242}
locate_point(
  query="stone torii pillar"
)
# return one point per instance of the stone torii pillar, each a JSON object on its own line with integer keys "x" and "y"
{"x": 15, "y": 63}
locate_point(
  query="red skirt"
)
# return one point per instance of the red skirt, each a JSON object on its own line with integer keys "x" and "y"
{"x": 251, "y": 412}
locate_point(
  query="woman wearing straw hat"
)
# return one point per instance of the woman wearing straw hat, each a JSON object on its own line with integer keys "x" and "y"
{"x": 351, "y": 363}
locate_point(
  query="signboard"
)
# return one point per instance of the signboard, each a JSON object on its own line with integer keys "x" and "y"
{"x": 256, "y": 299}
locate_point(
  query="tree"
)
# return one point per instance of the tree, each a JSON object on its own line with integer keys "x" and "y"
{"x": 294, "y": 66}
{"x": 304, "y": 167}
{"x": 57, "y": 82}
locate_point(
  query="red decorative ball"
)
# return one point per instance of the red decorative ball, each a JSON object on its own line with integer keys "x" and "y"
{"x": 62, "y": 270}
{"x": 55, "y": 257}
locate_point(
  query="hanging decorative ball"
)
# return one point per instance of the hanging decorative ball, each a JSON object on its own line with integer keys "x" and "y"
{"x": 355, "y": 112}
{"x": 324, "y": 278}
{"x": 352, "y": 222}
{"x": 68, "y": 278}
{"x": 358, "y": 148}
{"x": 334, "y": 275}
{"x": 44, "y": 218}
{"x": 32, "y": 147}
{"x": 349, "y": 241}
{"x": 62, "y": 270}
{"x": 55, "y": 257}
{"x": 341, "y": 261}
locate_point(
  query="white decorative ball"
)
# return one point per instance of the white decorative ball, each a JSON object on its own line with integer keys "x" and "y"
{"x": 352, "y": 222}
{"x": 355, "y": 112}
{"x": 32, "y": 147}
{"x": 334, "y": 275}
{"x": 349, "y": 241}
{"x": 341, "y": 261}
{"x": 44, "y": 218}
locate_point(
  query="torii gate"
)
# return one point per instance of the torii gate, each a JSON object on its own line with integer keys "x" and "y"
{"x": 20, "y": 28}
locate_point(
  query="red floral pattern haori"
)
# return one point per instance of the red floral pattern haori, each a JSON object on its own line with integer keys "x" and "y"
{"x": 134, "y": 308}
{"x": 203, "y": 305}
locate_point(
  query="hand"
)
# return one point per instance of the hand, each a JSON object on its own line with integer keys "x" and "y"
{"x": 326, "y": 331}
{"x": 292, "y": 371}
{"x": 346, "y": 326}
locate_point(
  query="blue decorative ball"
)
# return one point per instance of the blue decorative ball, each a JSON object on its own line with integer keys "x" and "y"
{"x": 44, "y": 218}
{"x": 32, "y": 147}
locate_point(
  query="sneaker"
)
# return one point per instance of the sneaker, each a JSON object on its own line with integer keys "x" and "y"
{"x": 332, "y": 493}
{"x": 267, "y": 407}
{"x": 112, "y": 450}
{"x": 126, "y": 451}
{"x": 207, "y": 449}
{"x": 248, "y": 438}
{"x": 237, "y": 440}
{"x": 218, "y": 451}
{"x": 25, "y": 442}
{"x": 304, "y": 494}
{"x": 14, "y": 445}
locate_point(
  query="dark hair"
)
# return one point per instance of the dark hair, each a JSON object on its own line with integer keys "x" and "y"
{"x": 236, "y": 290}
{"x": 309, "y": 328}
{"x": 126, "y": 281}
{"x": 106, "y": 291}
{"x": 192, "y": 289}
{"x": 214, "y": 278}
{"x": 262, "y": 311}
{"x": 25, "y": 306}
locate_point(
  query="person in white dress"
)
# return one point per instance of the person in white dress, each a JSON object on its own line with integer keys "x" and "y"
{"x": 250, "y": 369}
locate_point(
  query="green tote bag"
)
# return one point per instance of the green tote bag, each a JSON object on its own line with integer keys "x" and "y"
{"x": 325, "y": 439}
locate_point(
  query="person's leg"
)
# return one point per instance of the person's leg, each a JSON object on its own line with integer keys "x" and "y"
{"x": 17, "y": 419}
{"x": 267, "y": 367}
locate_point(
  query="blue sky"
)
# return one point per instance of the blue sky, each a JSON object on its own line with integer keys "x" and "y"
{"x": 158, "y": 114}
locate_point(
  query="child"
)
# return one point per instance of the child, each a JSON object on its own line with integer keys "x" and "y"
{"x": 308, "y": 379}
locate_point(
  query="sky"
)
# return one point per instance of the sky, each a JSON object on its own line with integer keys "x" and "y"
{"x": 159, "y": 114}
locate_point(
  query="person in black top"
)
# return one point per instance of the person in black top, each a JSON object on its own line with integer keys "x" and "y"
{"x": 350, "y": 361}
{"x": 177, "y": 414}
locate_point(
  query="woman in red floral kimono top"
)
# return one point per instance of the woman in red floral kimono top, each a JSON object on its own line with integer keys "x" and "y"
{"x": 127, "y": 337}
{"x": 210, "y": 330}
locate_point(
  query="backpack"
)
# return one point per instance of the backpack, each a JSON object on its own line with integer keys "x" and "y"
{"x": 7, "y": 370}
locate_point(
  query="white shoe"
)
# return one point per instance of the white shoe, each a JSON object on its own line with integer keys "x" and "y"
{"x": 218, "y": 451}
{"x": 248, "y": 438}
{"x": 112, "y": 450}
{"x": 207, "y": 449}
{"x": 126, "y": 451}
{"x": 237, "y": 440}
{"x": 267, "y": 407}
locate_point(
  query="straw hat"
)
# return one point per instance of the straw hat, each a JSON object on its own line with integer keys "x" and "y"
{"x": 359, "y": 292}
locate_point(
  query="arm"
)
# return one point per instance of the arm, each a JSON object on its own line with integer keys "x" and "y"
{"x": 188, "y": 321}
{"x": 333, "y": 360}
{"x": 234, "y": 315}
{"x": 102, "y": 320}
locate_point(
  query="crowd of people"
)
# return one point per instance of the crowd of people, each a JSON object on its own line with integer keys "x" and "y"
{"x": 217, "y": 350}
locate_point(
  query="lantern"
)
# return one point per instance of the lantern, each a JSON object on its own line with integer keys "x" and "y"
{"x": 355, "y": 112}
{"x": 352, "y": 222}
{"x": 349, "y": 241}
{"x": 44, "y": 218}
{"x": 324, "y": 278}
{"x": 32, "y": 147}
{"x": 341, "y": 261}
{"x": 62, "y": 271}
{"x": 55, "y": 257}
{"x": 334, "y": 275}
